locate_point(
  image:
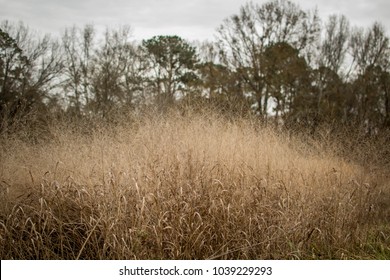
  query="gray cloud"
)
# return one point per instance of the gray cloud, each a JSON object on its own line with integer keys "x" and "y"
{"x": 195, "y": 19}
{"x": 360, "y": 12}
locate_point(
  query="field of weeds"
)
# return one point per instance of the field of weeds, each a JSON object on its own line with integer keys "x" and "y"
{"x": 192, "y": 186}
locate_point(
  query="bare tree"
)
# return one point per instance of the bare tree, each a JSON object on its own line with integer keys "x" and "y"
{"x": 41, "y": 65}
{"x": 371, "y": 51}
{"x": 117, "y": 71}
{"x": 370, "y": 47}
{"x": 334, "y": 47}
{"x": 244, "y": 37}
{"x": 78, "y": 47}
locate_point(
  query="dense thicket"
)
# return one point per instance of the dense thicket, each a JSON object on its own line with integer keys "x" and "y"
{"x": 274, "y": 60}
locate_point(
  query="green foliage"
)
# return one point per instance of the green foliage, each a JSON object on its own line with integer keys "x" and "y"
{"x": 285, "y": 76}
{"x": 12, "y": 65}
{"x": 172, "y": 61}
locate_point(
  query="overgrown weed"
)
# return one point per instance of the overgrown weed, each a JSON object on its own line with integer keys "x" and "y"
{"x": 188, "y": 185}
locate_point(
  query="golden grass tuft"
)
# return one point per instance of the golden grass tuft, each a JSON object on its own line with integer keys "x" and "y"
{"x": 187, "y": 186}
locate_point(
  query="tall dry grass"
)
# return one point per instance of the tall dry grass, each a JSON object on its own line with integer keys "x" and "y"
{"x": 192, "y": 186}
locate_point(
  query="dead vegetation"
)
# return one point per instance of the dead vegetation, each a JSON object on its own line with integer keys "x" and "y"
{"x": 188, "y": 186}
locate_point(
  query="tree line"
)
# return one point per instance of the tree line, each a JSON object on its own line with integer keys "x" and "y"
{"x": 275, "y": 60}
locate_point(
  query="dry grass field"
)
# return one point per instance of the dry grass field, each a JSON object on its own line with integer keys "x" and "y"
{"x": 188, "y": 186}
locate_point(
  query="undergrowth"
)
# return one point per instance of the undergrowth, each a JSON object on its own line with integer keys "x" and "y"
{"x": 188, "y": 186}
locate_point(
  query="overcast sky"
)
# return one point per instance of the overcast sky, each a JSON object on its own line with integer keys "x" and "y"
{"x": 190, "y": 19}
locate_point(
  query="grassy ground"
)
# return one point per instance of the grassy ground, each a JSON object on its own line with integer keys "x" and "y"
{"x": 197, "y": 186}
